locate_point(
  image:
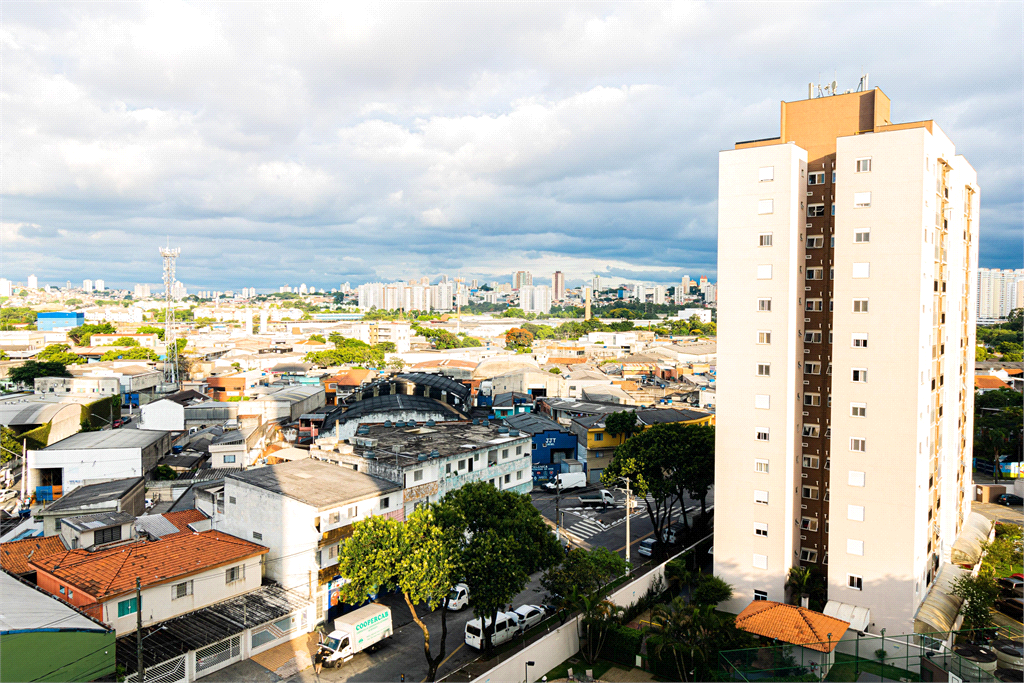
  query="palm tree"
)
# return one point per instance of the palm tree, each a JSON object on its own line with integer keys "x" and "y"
{"x": 598, "y": 616}
{"x": 799, "y": 581}
{"x": 669, "y": 625}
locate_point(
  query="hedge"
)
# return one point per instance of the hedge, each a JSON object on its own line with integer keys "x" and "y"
{"x": 38, "y": 438}
{"x": 622, "y": 645}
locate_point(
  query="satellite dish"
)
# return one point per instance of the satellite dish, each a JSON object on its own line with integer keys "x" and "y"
{"x": 834, "y": 86}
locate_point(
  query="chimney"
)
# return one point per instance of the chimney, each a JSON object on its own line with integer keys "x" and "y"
{"x": 805, "y": 601}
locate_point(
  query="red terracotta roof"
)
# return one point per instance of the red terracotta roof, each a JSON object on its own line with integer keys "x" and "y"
{"x": 182, "y": 518}
{"x": 14, "y": 554}
{"x": 111, "y": 572}
{"x": 792, "y": 624}
{"x": 989, "y": 382}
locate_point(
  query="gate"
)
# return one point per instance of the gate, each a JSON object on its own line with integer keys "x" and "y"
{"x": 218, "y": 655}
{"x": 171, "y": 671}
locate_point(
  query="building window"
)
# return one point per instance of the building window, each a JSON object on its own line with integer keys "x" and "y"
{"x": 812, "y": 399}
{"x": 61, "y": 590}
{"x": 858, "y": 445}
{"x": 814, "y": 305}
{"x": 859, "y": 340}
{"x": 519, "y": 475}
{"x": 812, "y": 337}
{"x": 812, "y": 368}
{"x": 353, "y": 512}
{"x": 181, "y": 590}
{"x": 385, "y": 503}
{"x": 763, "y": 434}
{"x": 859, "y": 375}
{"x": 860, "y": 305}
{"x": 417, "y": 475}
{"x": 815, "y": 273}
{"x": 232, "y": 574}
{"x": 765, "y": 206}
{"x": 856, "y": 478}
{"x": 814, "y": 210}
{"x": 861, "y": 271}
{"x": 231, "y": 499}
{"x": 816, "y": 178}
{"x": 126, "y": 607}
{"x": 855, "y": 512}
{"x": 811, "y": 431}
{"x": 763, "y": 240}
{"x": 764, "y": 304}
{"x": 334, "y": 518}
{"x": 108, "y": 535}
{"x": 862, "y": 235}
{"x": 508, "y": 478}
{"x": 760, "y": 562}
{"x": 762, "y": 401}
{"x": 598, "y": 436}
{"x": 854, "y": 547}
{"x": 861, "y": 199}
{"x": 764, "y": 369}
{"x": 332, "y": 551}
{"x": 832, "y": 209}
{"x": 504, "y": 453}
{"x": 761, "y": 466}
{"x": 810, "y": 492}
{"x": 229, "y": 459}
{"x": 864, "y": 165}
{"x": 519, "y": 450}
{"x": 462, "y": 464}
{"x": 811, "y": 462}
{"x": 764, "y": 337}
{"x": 257, "y": 536}
{"x": 764, "y": 271}
{"x": 858, "y": 410}
{"x": 815, "y": 241}
{"x": 761, "y": 497}
{"x": 809, "y": 524}
{"x": 760, "y": 529}
{"x": 760, "y": 595}
{"x": 808, "y": 555}
{"x": 766, "y": 174}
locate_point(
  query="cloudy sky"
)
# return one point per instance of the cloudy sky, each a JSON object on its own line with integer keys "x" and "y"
{"x": 327, "y": 142}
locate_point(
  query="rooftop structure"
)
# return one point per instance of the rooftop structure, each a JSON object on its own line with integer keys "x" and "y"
{"x": 315, "y": 483}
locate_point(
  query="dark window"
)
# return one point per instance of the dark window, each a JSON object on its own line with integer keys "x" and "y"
{"x": 108, "y": 535}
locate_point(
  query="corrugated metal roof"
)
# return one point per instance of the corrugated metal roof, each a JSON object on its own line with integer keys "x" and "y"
{"x": 109, "y": 438}
{"x": 939, "y": 609}
{"x": 967, "y": 547}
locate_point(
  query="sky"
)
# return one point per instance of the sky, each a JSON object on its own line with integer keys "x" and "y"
{"x": 319, "y": 143}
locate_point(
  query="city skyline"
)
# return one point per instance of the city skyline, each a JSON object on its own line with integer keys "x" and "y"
{"x": 503, "y": 145}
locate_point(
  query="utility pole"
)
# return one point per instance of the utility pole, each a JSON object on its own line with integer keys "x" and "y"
{"x": 138, "y": 627}
{"x": 558, "y": 497}
{"x": 628, "y": 493}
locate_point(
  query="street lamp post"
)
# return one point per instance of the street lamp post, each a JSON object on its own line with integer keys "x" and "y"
{"x": 528, "y": 665}
{"x": 628, "y": 498}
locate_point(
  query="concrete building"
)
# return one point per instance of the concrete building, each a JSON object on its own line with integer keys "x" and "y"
{"x": 522, "y": 278}
{"x": 997, "y": 292}
{"x": 558, "y": 286}
{"x": 93, "y": 457}
{"x": 59, "y": 320}
{"x": 302, "y": 510}
{"x": 287, "y": 404}
{"x": 100, "y": 387}
{"x": 844, "y": 230}
{"x": 118, "y": 495}
{"x": 33, "y": 282}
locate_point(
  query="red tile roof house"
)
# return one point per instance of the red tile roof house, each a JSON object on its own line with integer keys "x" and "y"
{"x": 180, "y": 573}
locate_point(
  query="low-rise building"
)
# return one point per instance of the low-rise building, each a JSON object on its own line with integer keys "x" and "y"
{"x": 99, "y": 387}
{"x": 146, "y": 341}
{"x": 137, "y": 379}
{"x": 119, "y": 495}
{"x": 511, "y": 403}
{"x": 287, "y": 404}
{"x": 178, "y": 574}
{"x": 92, "y": 457}
{"x": 554, "y": 447}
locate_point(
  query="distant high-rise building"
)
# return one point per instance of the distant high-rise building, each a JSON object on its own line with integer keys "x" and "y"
{"x": 522, "y": 278}
{"x": 100, "y": 286}
{"x": 685, "y": 289}
{"x": 659, "y": 294}
{"x": 178, "y": 291}
{"x": 87, "y": 286}
{"x": 141, "y": 292}
{"x": 997, "y": 292}
{"x": 302, "y": 289}
{"x": 5, "y": 287}
{"x": 595, "y": 284}
{"x": 33, "y": 282}
{"x": 558, "y": 286}
{"x": 474, "y": 284}
{"x": 845, "y": 392}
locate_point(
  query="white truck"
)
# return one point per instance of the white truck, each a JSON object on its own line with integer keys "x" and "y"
{"x": 363, "y": 629}
{"x": 604, "y": 498}
{"x": 568, "y": 480}
{"x": 458, "y": 598}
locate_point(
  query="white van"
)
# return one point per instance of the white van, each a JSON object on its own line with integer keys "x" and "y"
{"x": 458, "y": 597}
{"x": 569, "y": 480}
{"x": 503, "y": 631}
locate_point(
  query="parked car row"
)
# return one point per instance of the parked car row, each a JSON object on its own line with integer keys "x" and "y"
{"x": 506, "y": 626}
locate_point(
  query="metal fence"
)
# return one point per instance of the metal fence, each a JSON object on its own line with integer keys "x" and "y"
{"x": 892, "y": 658}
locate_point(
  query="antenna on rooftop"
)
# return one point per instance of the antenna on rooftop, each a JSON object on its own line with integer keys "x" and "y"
{"x": 171, "y": 354}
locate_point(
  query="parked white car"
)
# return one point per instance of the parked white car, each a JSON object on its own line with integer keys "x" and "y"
{"x": 567, "y": 481}
{"x": 528, "y": 616}
{"x": 502, "y": 631}
{"x": 458, "y": 598}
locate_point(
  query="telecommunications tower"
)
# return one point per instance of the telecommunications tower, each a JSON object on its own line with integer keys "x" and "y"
{"x": 170, "y": 343}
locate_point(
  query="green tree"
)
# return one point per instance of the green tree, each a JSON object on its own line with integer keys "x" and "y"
{"x": 598, "y": 615}
{"x": 3, "y": 355}
{"x": 10, "y": 443}
{"x": 126, "y": 341}
{"x": 59, "y": 353}
{"x": 27, "y": 373}
{"x": 711, "y": 590}
{"x": 317, "y": 338}
{"x": 979, "y": 593}
{"x": 131, "y": 353}
{"x": 799, "y": 583}
{"x": 514, "y": 313}
{"x": 623, "y": 422}
{"x": 149, "y": 329}
{"x": 418, "y": 557}
{"x": 980, "y": 353}
{"x": 583, "y": 570}
{"x": 82, "y": 335}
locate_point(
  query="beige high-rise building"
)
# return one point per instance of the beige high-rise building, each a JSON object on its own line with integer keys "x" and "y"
{"x": 558, "y": 286}
{"x": 997, "y": 292}
{"x": 522, "y": 278}
{"x": 848, "y": 271}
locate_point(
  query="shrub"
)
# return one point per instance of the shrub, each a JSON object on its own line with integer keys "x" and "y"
{"x": 622, "y": 645}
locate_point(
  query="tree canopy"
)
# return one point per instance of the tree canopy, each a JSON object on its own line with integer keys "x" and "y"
{"x": 130, "y": 353}
{"x": 27, "y": 373}
{"x": 582, "y": 570}
{"x": 82, "y": 334}
{"x": 59, "y": 353}
{"x": 517, "y": 337}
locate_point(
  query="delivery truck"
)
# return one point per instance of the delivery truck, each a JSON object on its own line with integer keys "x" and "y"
{"x": 568, "y": 480}
{"x": 604, "y": 498}
{"x": 366, "y": 628}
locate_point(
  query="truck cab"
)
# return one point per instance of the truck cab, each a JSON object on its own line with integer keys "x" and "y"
{"x": 458, "y": 598}
{"x": 338, "y": 648}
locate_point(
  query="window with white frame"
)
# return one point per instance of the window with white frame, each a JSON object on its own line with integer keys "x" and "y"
{"x": 764, "y": 304}
{"x": 855, "y": 512}
{"x": 353, "y": 512}
{"x": 762, "y": 401}
{"x": 764, "y": 271}
{"x": 859, "y": 340}
{"x": 809, "y": 524}
{"x": 855, "y": 582}
{"x": 764, "y": 239}
{"x": 765, "y": 174}
{"x": 808, "y": 555}
{"x": 860, "y": 305}
{"x": 856, "y": 478}
{"x": 761, "y": 595}
{"x": 858, "y": 444}
{"x": 812, "y": 399}
{"x": 334, "y": 518}
{"x": 764, "y": 369}
{"x": 181, "y": 590}
{"x": 861, "y": 271}
{"x": 811, "y": 462}
{"x": 760, "y": 561}
{"x": 816, "y": 178}
{"x": 764, "y": 337}
{"x": 815, "y": 274}
{"x": 761, "y": 466}
{"x": 761, "y": 497}
{"x": 417, "y": 475}
{"x": 809, "y": 492}
{"x": 812, "y": 368}
{"x": 854, "y": 547}
{"x": 236, "y": 573}
{"x": 861, "y": 199}
{"x": 765, "y": 206}
{"x": 864, "y": 165}
{"x": 763, "y": 434}
{"x": 858, "y": 410}
{"x": 760, "y": 529}
{"x": 812, "y": 337}
{"x": 833, "y": 177}
{"x": 815, "y": 241}
{"x": 862, "y": 235}
{"x": 814, "y": 304}
{"x": 815, "y": 210}
{"x": 859, "y": 374}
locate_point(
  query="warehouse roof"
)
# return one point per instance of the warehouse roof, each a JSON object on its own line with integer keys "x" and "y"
{"x": 293, "y": 393}
{"x": 31, "y": 412}
{"x": 315, "y": 482}
{"x": 109, "y": 438}
{"x": 92, "y": 494}
{"x": 533, "y": 423}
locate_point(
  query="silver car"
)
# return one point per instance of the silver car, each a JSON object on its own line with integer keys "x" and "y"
{"x": 528, "y": 616}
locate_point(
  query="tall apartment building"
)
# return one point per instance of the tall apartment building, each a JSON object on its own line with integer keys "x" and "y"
{"x": 558, "y": 286}
{"x": 845, "y": 355}
{"x": 997, "y": 292}
{"x": 684, "y": 288}
{"x": 522, "y": 278}
{"x": 33, "y": 282}
{"x": 87, "y": 286}
{"x": 595, "y": 284}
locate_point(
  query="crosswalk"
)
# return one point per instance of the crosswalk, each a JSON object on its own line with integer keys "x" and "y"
{"x": 585, "y": 528}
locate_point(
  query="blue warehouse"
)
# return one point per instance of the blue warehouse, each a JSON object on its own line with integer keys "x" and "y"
{"x": 554, "y": 446}
{"x": 59, "y": 320}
